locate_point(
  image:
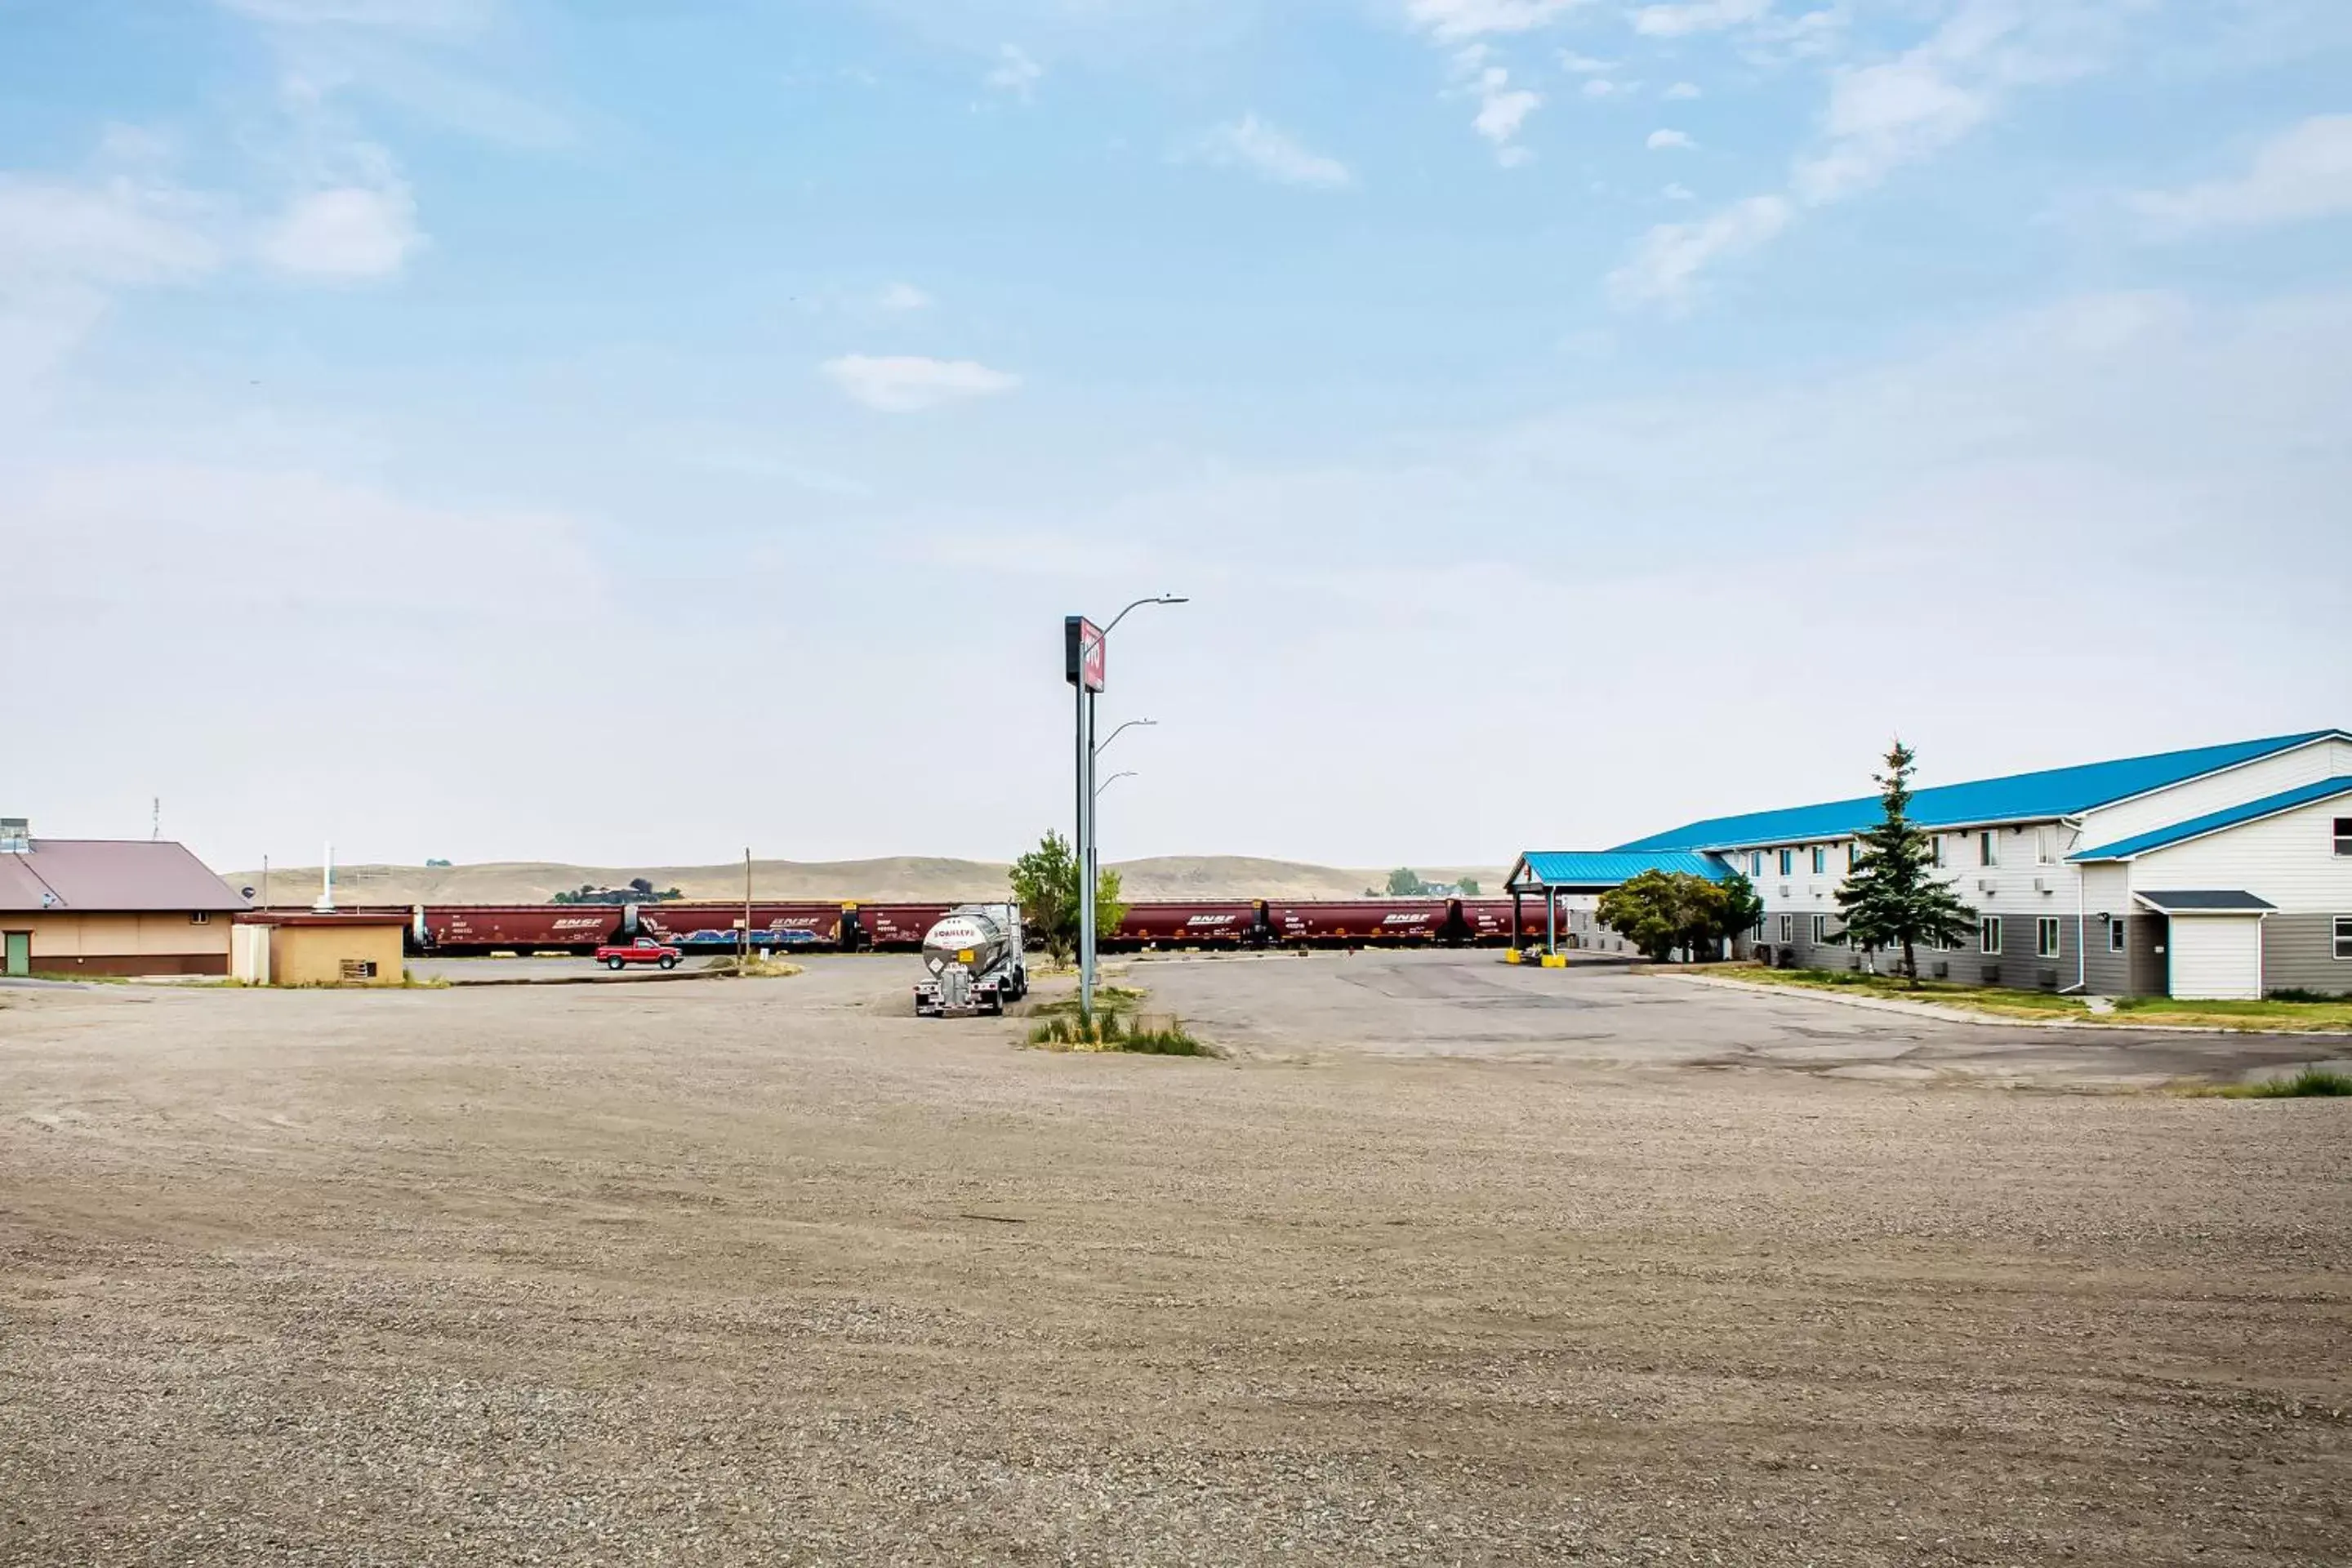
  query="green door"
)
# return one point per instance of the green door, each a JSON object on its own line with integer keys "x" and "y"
{"x": 19, "y": 953}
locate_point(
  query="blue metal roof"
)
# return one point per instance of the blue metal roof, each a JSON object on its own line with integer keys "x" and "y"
{"x": 2214, "y": 821}
{"x": 2022, "y": 797}
{"x": 1606, "y": 868}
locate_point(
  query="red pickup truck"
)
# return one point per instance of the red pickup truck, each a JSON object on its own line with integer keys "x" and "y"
{"x": 645, "y": 949}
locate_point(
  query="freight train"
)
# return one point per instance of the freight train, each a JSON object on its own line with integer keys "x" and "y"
{"x": 461, "y": 930}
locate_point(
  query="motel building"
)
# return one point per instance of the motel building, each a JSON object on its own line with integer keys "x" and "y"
{"x": 2224, "y": 872}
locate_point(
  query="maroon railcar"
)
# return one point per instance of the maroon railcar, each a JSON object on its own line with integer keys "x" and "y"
{"x": 1191, "y": 925}
{"x": 899, "y": 926}
{"x": 1357, "y": 924}
{"x": 716, "y": 926}
{"x": 1489, "y": 920}
{"x": 531, "y": 927}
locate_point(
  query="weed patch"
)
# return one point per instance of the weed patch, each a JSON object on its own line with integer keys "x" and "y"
{"x": 2311, "y": 1083}
{"x": 1108, "y": 1031}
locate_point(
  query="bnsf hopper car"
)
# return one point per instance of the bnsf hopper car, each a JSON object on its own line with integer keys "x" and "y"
{"x": 529, "y": 928}
{"x": 1489, "y": 920}
{"x": 898, "y": 927}
{"x": 705, "y": 927}
{"x": 1191, "y": 925}
{"x": 1354, "y": 924}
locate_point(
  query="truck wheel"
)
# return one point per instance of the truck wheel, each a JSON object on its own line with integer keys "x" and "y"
{"x": 668, "y": 963}
{"x": 617, "y": 963}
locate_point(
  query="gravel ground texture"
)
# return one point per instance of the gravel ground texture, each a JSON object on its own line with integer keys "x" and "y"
{"x": 1444, "y": 1264}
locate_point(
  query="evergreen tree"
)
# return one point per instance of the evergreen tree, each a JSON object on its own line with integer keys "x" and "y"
{"x": 1894, "y": 898}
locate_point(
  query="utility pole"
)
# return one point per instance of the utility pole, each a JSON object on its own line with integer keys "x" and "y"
{"x": 747, "y": 906}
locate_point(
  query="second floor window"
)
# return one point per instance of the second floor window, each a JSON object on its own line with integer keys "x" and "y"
{"x": 1988, "y": 849}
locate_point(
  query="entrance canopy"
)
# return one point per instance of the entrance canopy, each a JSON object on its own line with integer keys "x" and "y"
{"x": 1597, "y": 871}
{"x": 2207, "y": 901}
{"x": 1552, "y": 874}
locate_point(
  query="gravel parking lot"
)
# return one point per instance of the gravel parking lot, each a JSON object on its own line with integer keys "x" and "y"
{"x": 1446, "y": 1263}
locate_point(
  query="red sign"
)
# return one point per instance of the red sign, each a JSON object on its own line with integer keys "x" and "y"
{"x": 1083, "y": 655}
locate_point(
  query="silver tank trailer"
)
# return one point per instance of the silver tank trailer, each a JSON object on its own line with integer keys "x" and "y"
{"x": 967, "y": 937}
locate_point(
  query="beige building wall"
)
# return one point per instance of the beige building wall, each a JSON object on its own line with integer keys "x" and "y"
{"x": 134, "y": 944}
{"x": 315, "y": 955}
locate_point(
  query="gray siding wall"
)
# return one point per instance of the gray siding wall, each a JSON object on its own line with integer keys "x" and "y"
{"x": 2016, "y": 965}
{"x": 2139, "y": 970}
{"x": 2299, "y": 954}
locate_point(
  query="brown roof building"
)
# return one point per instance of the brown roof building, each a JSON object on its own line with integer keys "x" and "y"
{"x": 93, "y": 906}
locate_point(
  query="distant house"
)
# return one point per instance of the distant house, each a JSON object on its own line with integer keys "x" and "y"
{"x": 107, "y": 907}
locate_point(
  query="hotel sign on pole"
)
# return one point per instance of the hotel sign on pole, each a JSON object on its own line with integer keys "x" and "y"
{"x": 1083, "y": 653}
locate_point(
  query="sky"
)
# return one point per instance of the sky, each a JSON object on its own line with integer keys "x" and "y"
{"x": 511, "y": 429}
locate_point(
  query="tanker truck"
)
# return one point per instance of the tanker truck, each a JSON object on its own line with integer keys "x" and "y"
{"x": 975, "y": 960}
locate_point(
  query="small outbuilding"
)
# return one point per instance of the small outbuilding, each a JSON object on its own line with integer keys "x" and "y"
{"x": 321, "y": 948}
{"x": 72, "y": 907}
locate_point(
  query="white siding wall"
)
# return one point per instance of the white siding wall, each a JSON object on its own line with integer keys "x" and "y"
{"x": 2108, "y": 889}
{"x": 2005, "y": 889}
{"x": 2288, "y": 860}
{"x": 2327, "y": 759}
{"x": 2217, "y": 958}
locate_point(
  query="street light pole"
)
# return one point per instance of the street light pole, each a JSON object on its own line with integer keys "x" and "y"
{"x": 1086, "y": 852}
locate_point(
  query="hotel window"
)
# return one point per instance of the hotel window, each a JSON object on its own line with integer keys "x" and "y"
{"x": 1755, "y": 862}
{"x": 2343, "y": 936}
{"x": 2045, "y": 848}
{"x": 1788, "y": 929}
{"x": 1821, "y": 858}
{"x": 1938, "y": 840}
{"x": 1758, "y": 934}
{"x": 2344, "y": 836}
{"x": 2116, "y": 934}
{"x": 1988, "y": 851}
{"x": 1820, "y": 931}
{"x": 1988, "y": 935}
{"x": 1788, "y": 861}
{"x": 201, "y": 917}
{"x": 1854, "y": 856}
{"x": 2045, "y": 937}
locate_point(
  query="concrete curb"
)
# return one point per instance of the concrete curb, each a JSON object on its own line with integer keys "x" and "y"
{"x": 1963, "y": 1015}
{"x": 671, "y": 979}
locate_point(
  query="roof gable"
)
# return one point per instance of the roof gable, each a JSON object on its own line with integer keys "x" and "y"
{"x": 2020, "y": 797}
{"x": 2215, "y": 821}
{"x": 110, "y": 876}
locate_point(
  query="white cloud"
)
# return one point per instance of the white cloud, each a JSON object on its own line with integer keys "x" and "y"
{"x": 1883, "y": 117}
{"x": 1474, "y": 18}
{"x": 1016, "y": 72}
{"x": 903, "y": 298}
{"x": 1601, "y": 86}
{"x": 1700, "y": 17}
{"x": 1251, "y": 143}
{"x": 2305, "y": 171}
{"x": 1670, "y": 141}
{"x": 1682, "y": 91}
{"x": 114, "y": 231}
{"x": 908, "y": 384}
{"x": 1665, "y": 268}
{"x": 1679, "y": 191}
{"x": 1502, "y": 109}
{"x": 1584, "y": 65}
{"x": 347, "y": 232}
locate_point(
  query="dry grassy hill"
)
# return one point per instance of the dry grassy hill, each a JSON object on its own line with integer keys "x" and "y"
{"x": 909, "y": 878}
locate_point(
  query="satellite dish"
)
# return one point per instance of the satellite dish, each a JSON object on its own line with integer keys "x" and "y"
{"x": 248, "y": 892}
